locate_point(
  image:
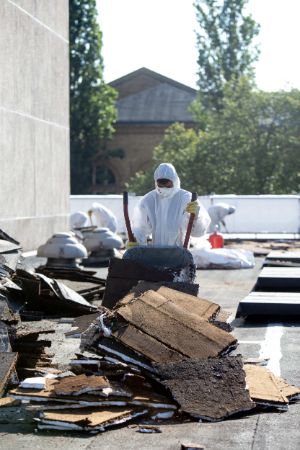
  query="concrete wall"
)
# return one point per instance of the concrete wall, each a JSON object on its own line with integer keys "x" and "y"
{"x": 276, "y": 214}
{"x": 34, "y": 119}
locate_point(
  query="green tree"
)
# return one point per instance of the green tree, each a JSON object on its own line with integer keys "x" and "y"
{"x": 225, "y": 47}
{"x": 92, "y": 102}
{"x": 253, "y": 144}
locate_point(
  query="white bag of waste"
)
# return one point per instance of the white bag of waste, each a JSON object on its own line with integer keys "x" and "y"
{"x": 222, "y": 258}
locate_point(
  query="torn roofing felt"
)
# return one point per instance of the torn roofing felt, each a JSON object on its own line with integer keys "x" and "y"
{"x": 49, "y": 295}
{"x": 181, "y": 286}
{"x": 210, "y": 389}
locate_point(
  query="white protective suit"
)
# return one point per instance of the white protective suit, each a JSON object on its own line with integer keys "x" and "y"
{"x": 79, "y": 219}
{"x": 104, "y": 217}
{"x": 217, "y": 214}
{"x": 162, "y": 213}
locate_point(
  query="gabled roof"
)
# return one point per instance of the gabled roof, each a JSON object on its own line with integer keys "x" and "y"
{"x": 162, "y": 103}
{"x": 140, "y": 78}
{"x": 148, "y": 97}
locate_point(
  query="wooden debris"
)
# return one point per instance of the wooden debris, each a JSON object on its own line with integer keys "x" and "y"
{"x": 148, "y": 346}
{"x": 178, "y": 328}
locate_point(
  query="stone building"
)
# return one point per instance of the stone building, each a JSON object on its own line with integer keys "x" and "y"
{"x": 34, "y": 119}
{"x": 148, "y": 103}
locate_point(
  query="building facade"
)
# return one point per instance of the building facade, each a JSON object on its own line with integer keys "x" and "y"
{"x": 34, "y": 119}
{"x": 148, "y": 103}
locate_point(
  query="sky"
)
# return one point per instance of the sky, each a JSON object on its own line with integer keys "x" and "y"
{"x": 161, "y": 36}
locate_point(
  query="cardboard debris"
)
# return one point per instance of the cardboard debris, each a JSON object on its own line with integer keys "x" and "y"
{"x": 268, "y": 390}
{"x": 81, "y": 384}
{"x": 210, "y": 389}
{"x": 8, "y": 401}
{"x": 124, "y": 394}
{"x": 289, "y": 391}
{"x": 88, "y": 419}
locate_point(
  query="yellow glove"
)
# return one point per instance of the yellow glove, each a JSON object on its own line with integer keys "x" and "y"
{"x": 131, "y": 244}
{"x": 193, "y": 208}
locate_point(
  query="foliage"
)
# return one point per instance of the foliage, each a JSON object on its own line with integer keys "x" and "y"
{"x": 225, "y": 48}
{"x": 92, "y": 102}
{"x": 178, "y": 148}
{"x": 251, "y": 146}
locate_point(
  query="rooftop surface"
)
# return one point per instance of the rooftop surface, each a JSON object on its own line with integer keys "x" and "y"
{"x": 277, "y": 341}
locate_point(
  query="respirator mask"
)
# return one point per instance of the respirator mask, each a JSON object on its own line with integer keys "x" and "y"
{"x": 165, "y": 192}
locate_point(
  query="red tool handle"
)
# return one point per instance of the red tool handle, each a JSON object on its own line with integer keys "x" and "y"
{"x": 190, "y": 224}
{"x": 131, "y": 237}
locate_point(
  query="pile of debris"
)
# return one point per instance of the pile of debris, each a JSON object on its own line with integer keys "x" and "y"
{"x": 159, "y": 354}
{"x": 27, "y": 295}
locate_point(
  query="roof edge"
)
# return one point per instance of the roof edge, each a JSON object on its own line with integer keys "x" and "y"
{"x": 145, "y": 71}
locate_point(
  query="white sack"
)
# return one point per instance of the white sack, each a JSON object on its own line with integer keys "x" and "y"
{"x": 222, "y": 258}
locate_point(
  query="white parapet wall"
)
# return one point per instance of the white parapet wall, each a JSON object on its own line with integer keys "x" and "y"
{"x": 266, "y": 214}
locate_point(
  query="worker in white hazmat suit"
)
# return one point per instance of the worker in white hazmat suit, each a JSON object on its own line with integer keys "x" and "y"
{"x": 164, "y": 212}
{"x": 79, "y": 219}
{"x": 103, "y": 217}
{"x": 217, "y": 213}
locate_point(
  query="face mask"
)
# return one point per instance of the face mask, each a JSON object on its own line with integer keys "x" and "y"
{"x": 165, "y": 192}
